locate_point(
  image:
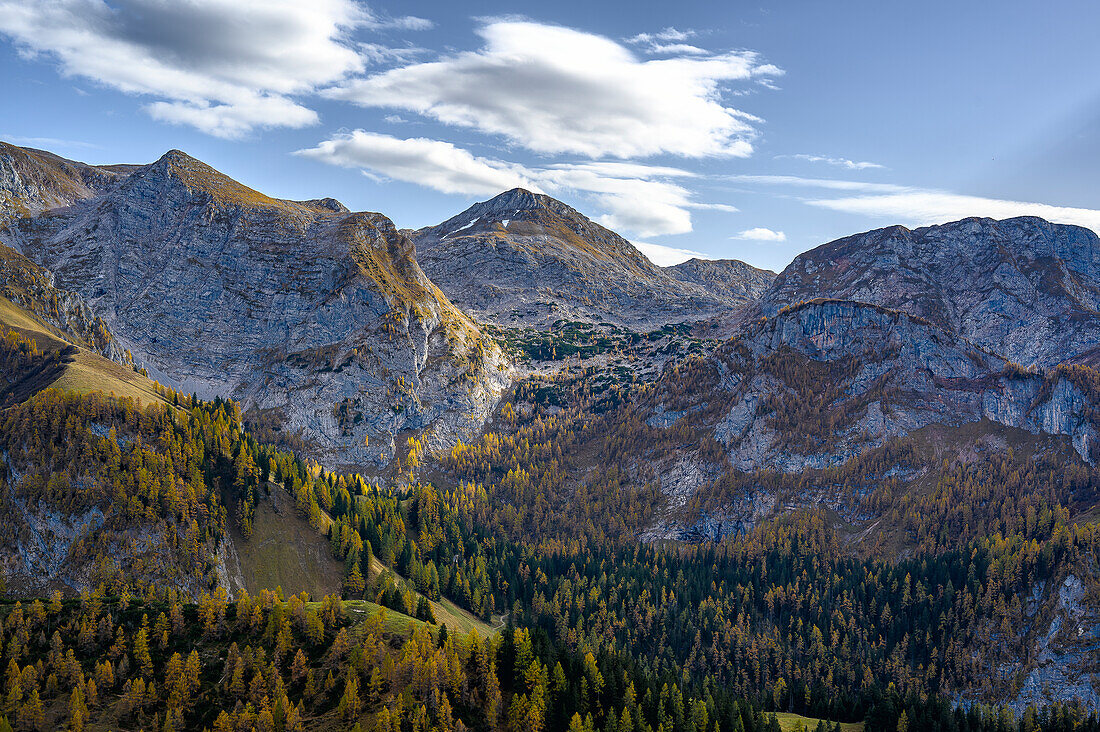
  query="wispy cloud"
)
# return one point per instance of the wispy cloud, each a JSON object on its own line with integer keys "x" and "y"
{"x": 920, "y": 206}
{"x": 46, "y": 142}
{"x": 925, "y": 207}
{"x": 639, "y": 199}
{"x": 432, "y": 163}
{"x": 663, "y": 256}
{"x": 800, "y": 182}
{"x": 838, "y": 162}
{"x": 555, "y": 90}
{"x": 760, "y": 234}
{"x": 664, "y": 36}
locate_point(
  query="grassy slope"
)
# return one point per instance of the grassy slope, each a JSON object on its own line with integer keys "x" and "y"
{"x": 87, "y": 372}
{"x": 457, "y": 620}
{"x": 286, "y": 552}
{"x": 788, "y": 722}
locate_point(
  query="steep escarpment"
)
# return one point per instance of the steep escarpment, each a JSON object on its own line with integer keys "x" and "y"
{"x": 526, "y": 259}
{"x": 1024, "y": 288}
{"x": 826, "y": 380}
{"x": 30, "y": 287}
{"x": 317, "y": 319}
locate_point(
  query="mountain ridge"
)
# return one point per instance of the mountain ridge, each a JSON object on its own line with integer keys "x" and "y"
{"x": 221, "y": 290}
{"x": 527, "y": 259}
{"x": 1025, "y": 288}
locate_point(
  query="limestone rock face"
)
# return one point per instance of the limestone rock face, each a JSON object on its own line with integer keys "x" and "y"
{"x": 526, "y": 259}
{"x": 31, "y": 288}
{"x": 306, "y": 313}
{"x": 824, "y": 381}
{"x": 32, "y": 181}
{"x": 1024, "y": 288}
{"x": 730, "y": 278}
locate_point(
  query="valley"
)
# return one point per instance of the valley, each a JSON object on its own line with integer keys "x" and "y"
{"x": 274, "y": 464}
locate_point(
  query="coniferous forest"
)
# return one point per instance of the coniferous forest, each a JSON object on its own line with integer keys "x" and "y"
{"x": 590, "y": 630}
{"x": 272, "y": 464}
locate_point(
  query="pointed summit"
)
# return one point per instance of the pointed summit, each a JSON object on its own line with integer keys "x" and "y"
{"x": 300, "y": 308}
{"x": 176, "y": 167}
{"x": 524, "y": 257}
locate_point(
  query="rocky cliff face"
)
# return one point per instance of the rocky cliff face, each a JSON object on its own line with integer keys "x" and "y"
{"x": 31, "y": 288}
{"x": 823, "y": 381}
{"x": 314, "y": 317}
{"x": 32, "y": 181}
{"x": 1024, "y": 288}
{"x": 527, "y": 259}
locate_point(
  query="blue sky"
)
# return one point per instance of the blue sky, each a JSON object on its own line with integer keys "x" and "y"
{"x": 725, "y": 129}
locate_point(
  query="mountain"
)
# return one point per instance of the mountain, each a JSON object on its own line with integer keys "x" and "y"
{"x": 30, "y": 288}
{"x": 319, "y": 320}
{"x": 32, "y": 181}
{"x": 526, "y": 259}
{"x": 860, "y": 506}
{"x": 824, "y": 381}
{"x": 731, "y": 279}
{"x": 1024, "y": 288}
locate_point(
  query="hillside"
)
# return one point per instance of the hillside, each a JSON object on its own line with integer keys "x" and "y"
{"x": 826, "y": 380}
{"x": 525, "y": 259}
{"x": 32, "y": 181}
{"x": 38, "y": 355}
{"x": 1024, "y": 288}
{"x": 860, "y": 507}
{"x": 318, "y": 320}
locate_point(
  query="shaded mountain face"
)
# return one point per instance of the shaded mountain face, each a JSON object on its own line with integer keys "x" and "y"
{"x": 318, "y": 320}
{"x": 1024, "y": 288}
{"x": 31, "y": 289}
{"x": 526, "y": 259}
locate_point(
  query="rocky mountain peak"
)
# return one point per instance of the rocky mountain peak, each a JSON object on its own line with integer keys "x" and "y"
{"x": 526, "y": 258}
{"x": 32, "y": 181}
{"x": 317, "y": 319}
{"x": 1022, "y": 287}
{"x": 519, "y": 199}
{"x": 202, "y": 183}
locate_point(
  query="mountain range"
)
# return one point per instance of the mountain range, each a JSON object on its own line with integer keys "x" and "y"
{"x": 872, "y": 384}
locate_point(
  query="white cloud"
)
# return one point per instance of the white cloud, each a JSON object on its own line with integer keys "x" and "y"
{"x": 236, "y": 119}
{"x": 223, "y": 66}
{"x": 378, "y": 53}
{"x": 432, "y": 163}
{"x": 627, "y": 170}
{"x": 839, "y": 162}
{"x": 663, "y": 256}
{"x": 557, "y": 90}
{"x": 924, "y": 207}
{"x": 668, "y": 34}
{"x": 640, "y": 199}
{"x": 829, "y": 183}
{"x": 407, "y": 22}
{"x": 678, "y": 49}
{"x": 759, "y": 233}
{"x": 45, "y": 142}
